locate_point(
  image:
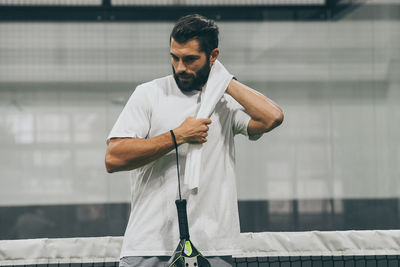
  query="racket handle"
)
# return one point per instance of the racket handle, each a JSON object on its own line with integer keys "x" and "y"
{"x": 182, "y": 219}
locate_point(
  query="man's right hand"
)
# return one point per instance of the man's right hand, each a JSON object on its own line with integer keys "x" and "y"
{"x": 130, "y": 153}
{"x": 192, "y": 131}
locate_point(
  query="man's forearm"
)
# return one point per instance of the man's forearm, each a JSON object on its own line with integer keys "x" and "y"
{"x": 125, "y": 154}
{"x": 262, "y": 110}
{"x": 130, "y": 153}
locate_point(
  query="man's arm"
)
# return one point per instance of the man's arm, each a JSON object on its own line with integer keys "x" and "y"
{"x": 265, "y": 114}
{"x": 125, "y": 154}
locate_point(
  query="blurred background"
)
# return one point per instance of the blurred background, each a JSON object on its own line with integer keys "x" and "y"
{"x": 67, "y": 68}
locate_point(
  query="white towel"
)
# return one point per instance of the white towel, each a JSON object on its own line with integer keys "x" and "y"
{"x": 218, "y": 81}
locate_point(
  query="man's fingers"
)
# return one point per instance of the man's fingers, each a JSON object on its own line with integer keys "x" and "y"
{"x": 205, "y": 128}
{"x": 195, "y": 130}
{"x": 205, "y": 121}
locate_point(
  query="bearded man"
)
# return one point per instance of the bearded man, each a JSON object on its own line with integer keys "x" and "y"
{"x": 141, "y": 142}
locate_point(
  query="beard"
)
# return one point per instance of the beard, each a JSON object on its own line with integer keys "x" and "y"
{"x": 196, "y": 81}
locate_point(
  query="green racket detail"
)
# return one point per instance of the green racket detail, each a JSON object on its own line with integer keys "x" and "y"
{"x": 182, "y": 259}
{"x": 189, "y": 248}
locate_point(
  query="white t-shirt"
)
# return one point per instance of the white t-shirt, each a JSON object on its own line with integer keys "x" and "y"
{"x": 153, "y": 109}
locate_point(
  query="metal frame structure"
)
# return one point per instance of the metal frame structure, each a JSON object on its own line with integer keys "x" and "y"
{"x": 330, "y": 10}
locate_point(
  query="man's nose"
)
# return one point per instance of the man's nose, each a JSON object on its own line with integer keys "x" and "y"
{"x": 181, "y": 67}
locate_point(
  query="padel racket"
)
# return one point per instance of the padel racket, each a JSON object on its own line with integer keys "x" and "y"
{"x": 186, "y": 254}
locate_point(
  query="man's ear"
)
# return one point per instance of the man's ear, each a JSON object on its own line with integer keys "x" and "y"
{"x": 214, "y": 55}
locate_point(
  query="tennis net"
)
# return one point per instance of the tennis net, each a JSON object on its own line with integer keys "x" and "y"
{"x": 302, "y": 249}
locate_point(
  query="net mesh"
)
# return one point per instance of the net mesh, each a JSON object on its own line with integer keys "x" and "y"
{"x": 390, "y": 261}
{"x": 336, "y": 248}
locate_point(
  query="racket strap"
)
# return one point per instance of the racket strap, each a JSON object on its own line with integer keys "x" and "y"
{"x": 180, "y": 203}
{"x": 177, "y": 165}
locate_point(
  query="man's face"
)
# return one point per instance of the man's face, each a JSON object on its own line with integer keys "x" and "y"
{"x": 190, "y": 66}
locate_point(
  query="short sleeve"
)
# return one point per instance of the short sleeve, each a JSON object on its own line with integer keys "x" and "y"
{"x": 240, "y": 119}
{"x": 134, "y": 120}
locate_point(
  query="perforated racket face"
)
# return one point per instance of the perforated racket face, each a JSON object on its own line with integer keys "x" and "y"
{"x": 182, "y": 259}
{"x": 191, "y": 262}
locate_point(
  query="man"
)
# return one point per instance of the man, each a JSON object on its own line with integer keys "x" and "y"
{"x": 141, "y": 141}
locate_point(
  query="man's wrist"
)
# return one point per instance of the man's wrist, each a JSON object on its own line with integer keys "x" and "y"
{"x": 178, "y": 137}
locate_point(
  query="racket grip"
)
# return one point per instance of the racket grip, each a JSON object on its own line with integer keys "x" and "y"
{"x": 182, "y": 219}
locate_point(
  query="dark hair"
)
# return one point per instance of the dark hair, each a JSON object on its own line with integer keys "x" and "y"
{"x": 196, "y": 27}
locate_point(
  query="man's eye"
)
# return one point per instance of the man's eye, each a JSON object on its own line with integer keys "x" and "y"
{"x": 190, "y": 59}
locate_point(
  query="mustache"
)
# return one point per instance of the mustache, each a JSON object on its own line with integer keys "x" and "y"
{"x": 184, "y": 75}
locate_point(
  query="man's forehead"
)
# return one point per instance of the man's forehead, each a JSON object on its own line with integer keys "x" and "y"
{"x": 190, "y": 47}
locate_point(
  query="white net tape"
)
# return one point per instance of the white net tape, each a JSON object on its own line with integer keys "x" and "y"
{"x": 267, "y": 244}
